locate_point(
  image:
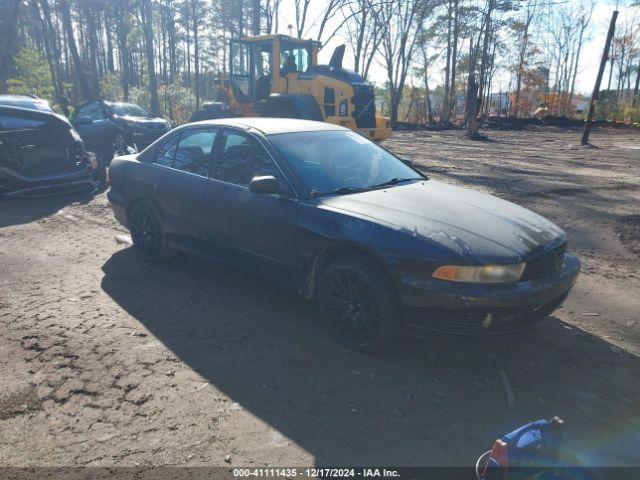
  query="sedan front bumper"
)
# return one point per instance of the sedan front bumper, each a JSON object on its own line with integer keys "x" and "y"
{"x": 433, "y": 304}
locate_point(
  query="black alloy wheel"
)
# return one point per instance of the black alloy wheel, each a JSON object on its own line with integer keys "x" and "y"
{"x": 147, "y": 234}
{"x": 358, "y": 304}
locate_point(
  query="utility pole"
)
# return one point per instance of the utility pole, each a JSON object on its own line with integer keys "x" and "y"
{"x": 596, "y": 88}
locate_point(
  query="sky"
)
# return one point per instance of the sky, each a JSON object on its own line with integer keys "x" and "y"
{"x": 589, "y": 62}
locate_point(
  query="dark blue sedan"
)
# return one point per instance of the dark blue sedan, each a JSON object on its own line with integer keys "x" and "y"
{"x": 381, "y": 248}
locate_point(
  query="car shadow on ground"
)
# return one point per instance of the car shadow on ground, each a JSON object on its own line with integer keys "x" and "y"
{"x": 18, "y": 211}
{"x": 423, "y": 402}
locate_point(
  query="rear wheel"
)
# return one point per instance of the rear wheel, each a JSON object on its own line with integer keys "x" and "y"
{"x": 358, "y": 304}
{"x": 149, "y": 240}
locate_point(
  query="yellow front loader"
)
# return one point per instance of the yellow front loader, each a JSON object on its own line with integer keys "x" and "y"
{"x": 279, "y": 76}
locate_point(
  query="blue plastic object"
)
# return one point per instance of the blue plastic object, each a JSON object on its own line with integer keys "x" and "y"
{"x": 525, "y": 452}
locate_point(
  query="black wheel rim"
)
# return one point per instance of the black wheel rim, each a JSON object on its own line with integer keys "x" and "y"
{"x": 144, "y": 232}
{"x": 352, "y": 307}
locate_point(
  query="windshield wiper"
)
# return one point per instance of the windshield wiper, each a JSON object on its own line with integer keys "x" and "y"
{"x": 395, "y": 181}
{"x": 339, "y": 191}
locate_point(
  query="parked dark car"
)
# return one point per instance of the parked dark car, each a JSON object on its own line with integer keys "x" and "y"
{"x": 379, "y": 246}
{"x": 111, "y": 128}
{"x": 25, "y": 101}
{"x": 41, "y": 154}
{"x": 210, "y": 111}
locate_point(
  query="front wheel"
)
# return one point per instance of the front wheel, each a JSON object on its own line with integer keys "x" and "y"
{"x": 99, "y": 173}
{"x": 147, "y": 234}
{"x": 120, "y": 145}
{"x": 358, "y": 304}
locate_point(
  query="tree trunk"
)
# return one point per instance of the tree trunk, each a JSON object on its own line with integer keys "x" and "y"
{"x": 473, "y": 125}
{"x": 444, "y": 111}
{"x": 86, "y": 92}
{"x": 256, "y": 17}
{"x": 426, "y": 85}
{"x": 151, "y": 68}
{"x": 196, "y": 56}
{"x": 454, "y": 59}
{"x": 8, "y": 38}
{"x": 636, "y": 100}
{"x": 484, "y": 59}
{"x": 93, "y": 46}
{"x": 123, "y": 46}
{"x": 49, "y": 44}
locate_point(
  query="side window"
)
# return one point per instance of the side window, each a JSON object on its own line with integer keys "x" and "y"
{"x": 241, "y": 158}
{"x": 329, "y": 102}
{"x": 17, "y": 123}
{"x": 167, "y": 152}
{"x": 194, "y": 150}
{"x": 293, "y": 59}
{"x": 241, "y": 66}
{"x": 92, "y": 110}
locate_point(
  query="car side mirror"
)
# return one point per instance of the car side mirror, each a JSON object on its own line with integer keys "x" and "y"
{"x": 407, "y": 161}
{"x": 83, "y": 121}
{"x": 265, "y": 184}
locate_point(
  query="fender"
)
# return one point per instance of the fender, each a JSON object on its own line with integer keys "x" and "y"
{"x": 301, "y": 105}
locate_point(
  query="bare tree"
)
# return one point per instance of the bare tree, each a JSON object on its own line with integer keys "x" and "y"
{"x": 522, "y": 29}
{"x": 403, "y": 23}
{"x": 86, "y": 92}
{"x": 272, "y": 15}
{"x": 147, "y": 24}
{"x": 364, "y": 28}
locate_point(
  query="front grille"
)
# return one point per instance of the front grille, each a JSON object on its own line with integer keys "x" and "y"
{"x": 364, "y": 105}
{"x": 547, "y": 264}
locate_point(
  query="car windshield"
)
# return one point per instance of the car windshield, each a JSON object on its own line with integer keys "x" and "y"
{"x": 128, "y": 110}
{"x": 340, "y": 162}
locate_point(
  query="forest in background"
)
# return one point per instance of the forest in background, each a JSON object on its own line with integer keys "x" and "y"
{"x": 439, "y": 60}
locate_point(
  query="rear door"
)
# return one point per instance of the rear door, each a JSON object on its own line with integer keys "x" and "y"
{"x": 255, "y": 231}
{"x": 178, "y": 181}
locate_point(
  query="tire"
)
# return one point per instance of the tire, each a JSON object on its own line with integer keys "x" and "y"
{"x": 147, "y": 233}
{"x": 100, "y": 172}
{"x": 120, "y": 145}
{"x": 358, "y": 304}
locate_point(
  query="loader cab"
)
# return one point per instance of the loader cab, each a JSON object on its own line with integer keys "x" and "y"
{"x": 263, "y": 65}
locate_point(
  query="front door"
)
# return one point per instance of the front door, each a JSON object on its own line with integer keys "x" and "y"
{"x": 93, "y": 124}
{"x": 255, "y": 231}
{"x": 179, "y": 181}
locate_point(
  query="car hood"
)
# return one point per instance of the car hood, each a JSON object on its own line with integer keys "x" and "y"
{"x": 474, "y": 225}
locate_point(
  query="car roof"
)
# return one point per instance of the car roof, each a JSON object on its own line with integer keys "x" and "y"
{"x": 272, "y": 126}
{"x": 24, "y": 112}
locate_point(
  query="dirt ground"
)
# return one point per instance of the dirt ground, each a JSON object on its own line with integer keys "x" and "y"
{"x": 106, "y": 360}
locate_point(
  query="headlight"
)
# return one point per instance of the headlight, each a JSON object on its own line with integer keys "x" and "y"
{"x": 483, "y": 274}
